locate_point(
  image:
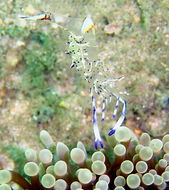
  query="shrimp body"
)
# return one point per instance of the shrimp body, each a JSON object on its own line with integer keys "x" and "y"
{"x": 100, "y": 82}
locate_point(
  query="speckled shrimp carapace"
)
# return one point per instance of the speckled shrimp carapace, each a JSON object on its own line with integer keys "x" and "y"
{"x": 99, "y": 79}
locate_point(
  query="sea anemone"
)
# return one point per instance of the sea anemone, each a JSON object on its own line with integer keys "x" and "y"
{"x": 126, "y": 163}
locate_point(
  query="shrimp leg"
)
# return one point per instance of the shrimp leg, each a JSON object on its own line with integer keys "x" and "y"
{"x": 98, "y": 139}
{"x": 121, "y": 119}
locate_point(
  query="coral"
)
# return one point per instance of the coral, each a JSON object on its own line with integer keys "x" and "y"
{"x": 133, "y": 163}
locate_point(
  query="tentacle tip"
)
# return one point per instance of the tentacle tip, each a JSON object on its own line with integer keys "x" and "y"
{"x": 102, "y": 119}
{"x": 111, "y": 132}
{"x": 113, "y": 116}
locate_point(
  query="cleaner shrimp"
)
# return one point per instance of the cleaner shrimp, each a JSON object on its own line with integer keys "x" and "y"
{"x": 98, "y": 77}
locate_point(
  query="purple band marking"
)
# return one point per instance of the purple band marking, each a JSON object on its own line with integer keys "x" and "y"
{"x": 103, "y": 110}
{"x": 95, "y": 144}
{"x": 113, "y": 116}
{"x": 111, "y": 132}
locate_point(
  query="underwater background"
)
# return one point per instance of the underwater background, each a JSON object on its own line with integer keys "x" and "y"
{"x": 40, "y": 92}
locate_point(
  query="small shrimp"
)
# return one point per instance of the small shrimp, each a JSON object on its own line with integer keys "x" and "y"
{"x": 42, "y": 16}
